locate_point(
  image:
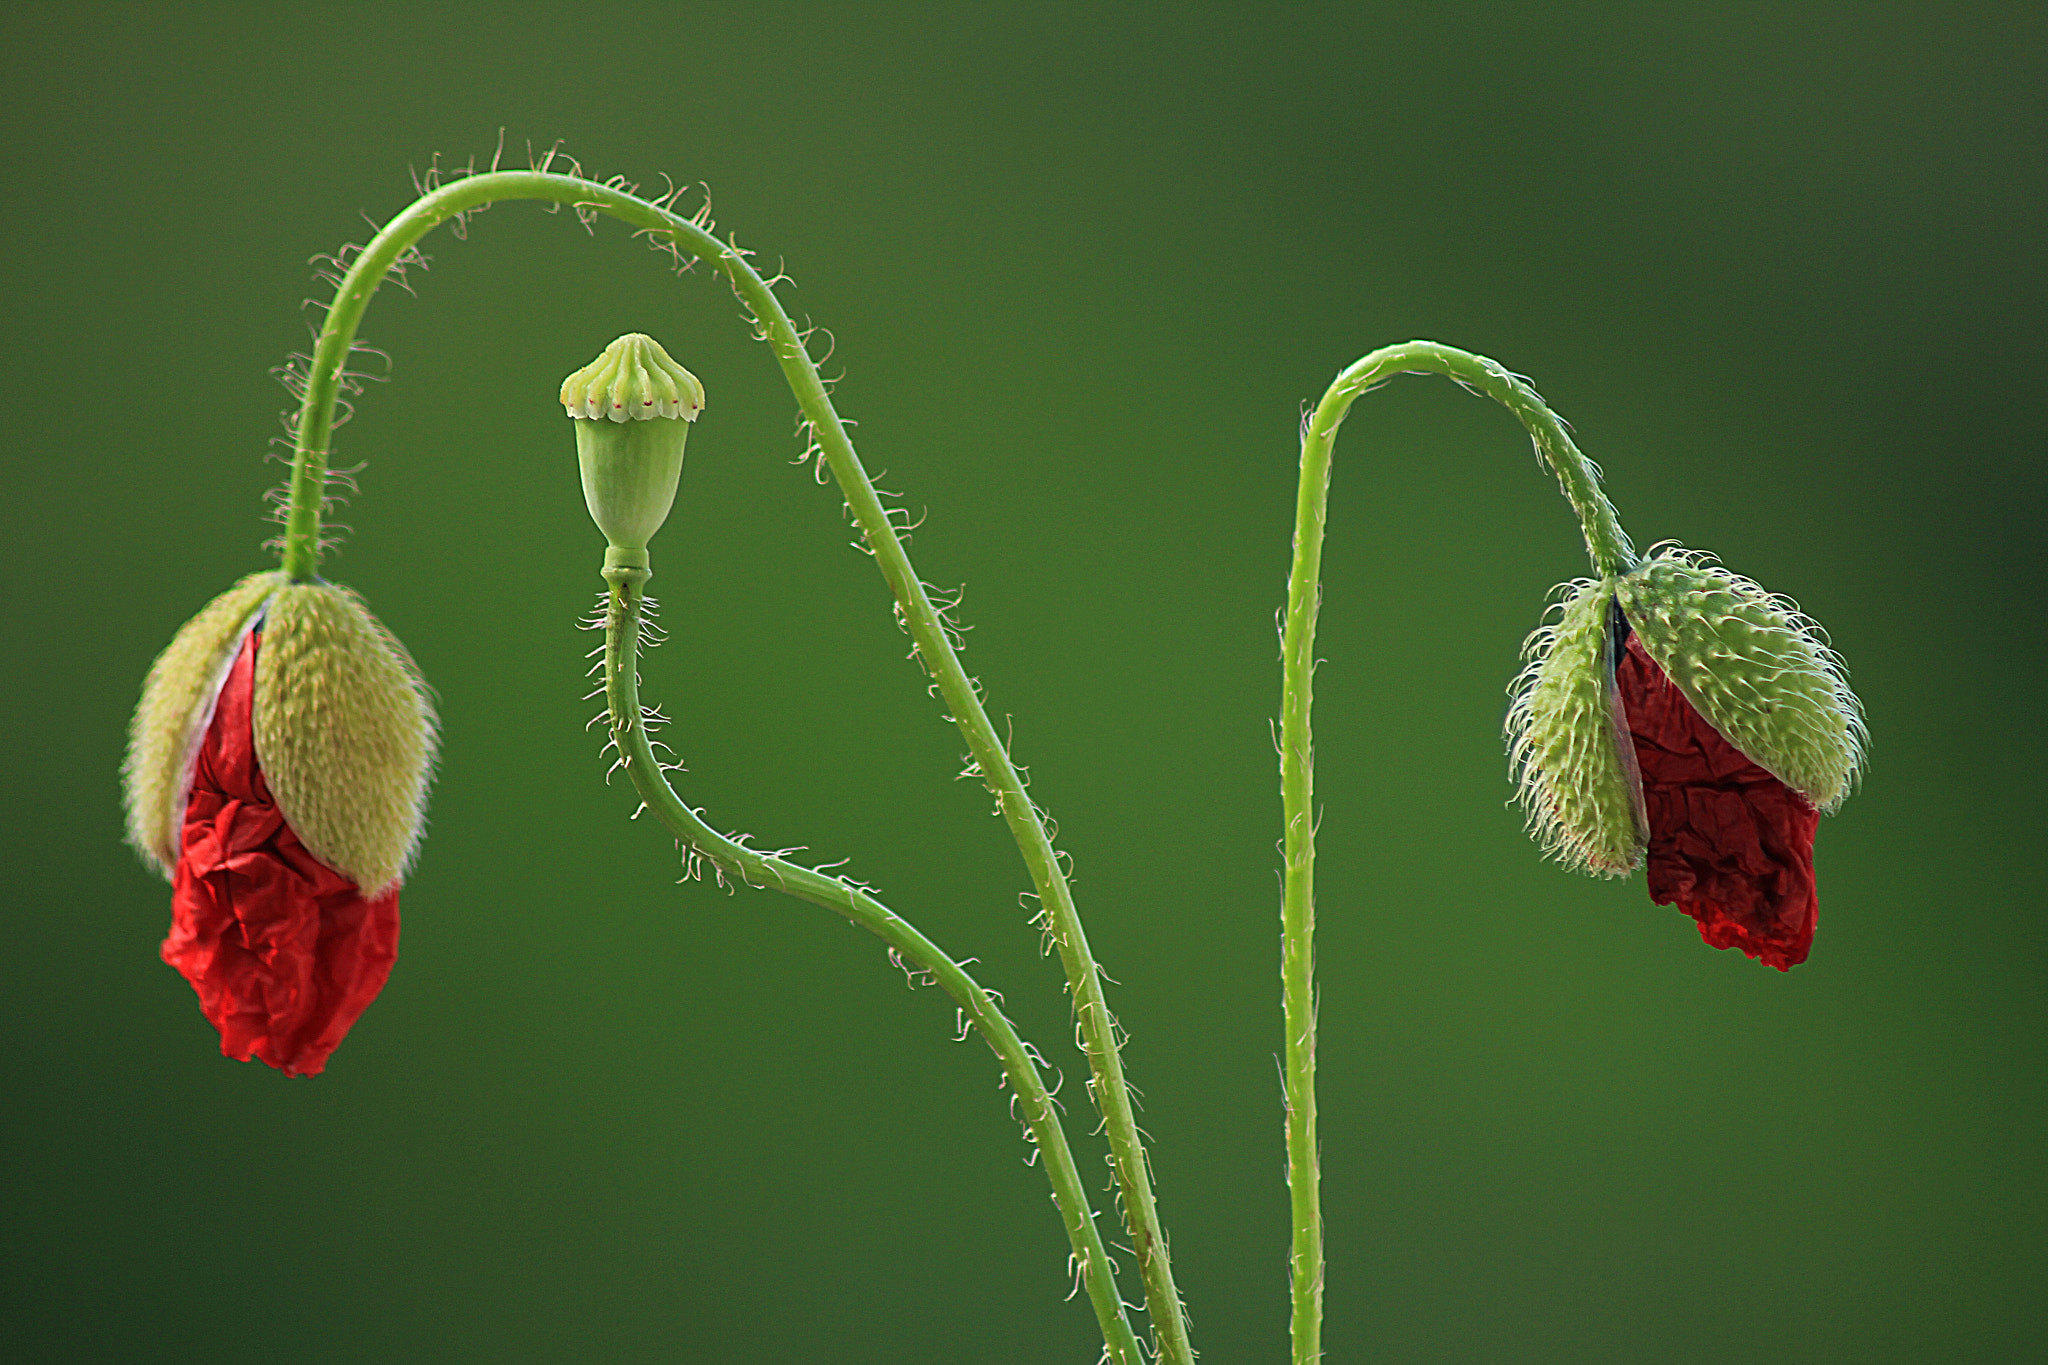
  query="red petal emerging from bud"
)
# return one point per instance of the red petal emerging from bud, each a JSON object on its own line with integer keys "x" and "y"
{"x": 284, "y": 952}
{"x": 1729, "y": 844}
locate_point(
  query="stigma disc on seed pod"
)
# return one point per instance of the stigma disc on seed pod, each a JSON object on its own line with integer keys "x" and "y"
{"x": 1759, "y": 671}
{"x": 633, "y": 380}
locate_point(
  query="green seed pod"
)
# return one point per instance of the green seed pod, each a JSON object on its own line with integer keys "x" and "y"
{"x": 177, "y": 701}
{"x": 1574, "y": 767}
{"x": 1754, "y": 667}
{"x": 344, "y": 733}
{"x": 633, "y": 406}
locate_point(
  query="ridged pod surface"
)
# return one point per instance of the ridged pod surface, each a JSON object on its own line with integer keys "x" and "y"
{"x": 1573, "y": 772}
{"x": 633, "y": 407}
{"x": 634, "y": 379}
{"x": 177, "y": 697}
{"x": 344, "y": 732}
{"x": 1754, "y": 667}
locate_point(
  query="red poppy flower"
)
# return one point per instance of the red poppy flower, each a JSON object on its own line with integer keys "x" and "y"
{"x": 284, "y": 951}
{"x": 1681, "y": 712}
{"x": 277, "y": 773}
{"x": 1729, "y": 844}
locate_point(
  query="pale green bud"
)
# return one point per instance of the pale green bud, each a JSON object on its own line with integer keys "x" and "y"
{"x": 170, "y": 721}
{"x": 633, "y": 406}
{"x": 1573, "y": 762}
{"x": 1754, "y": 667}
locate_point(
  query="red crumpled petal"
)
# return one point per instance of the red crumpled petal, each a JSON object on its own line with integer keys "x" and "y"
{"x": 283, "y": 950}
{"x": 1730, "y": 845}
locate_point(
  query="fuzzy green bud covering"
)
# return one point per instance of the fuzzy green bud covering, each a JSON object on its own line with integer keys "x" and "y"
{"x": 177, "y": 700}
{"x": 633, "y": 406}
{"x": 1574, "y": 768}
{"x": 1754, "y": 667}
{"x": 344, "y": 732}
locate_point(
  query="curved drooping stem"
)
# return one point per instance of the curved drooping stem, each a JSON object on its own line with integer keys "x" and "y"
{"x": 623, "y": 614}
{"x": 921, "y": 619}
{"x": 1611, "y": 553}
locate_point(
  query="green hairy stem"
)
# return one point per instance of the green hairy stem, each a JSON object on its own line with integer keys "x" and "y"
{"x": 626, "y": 576}
{"x": 623, "y": 614}
{"x": 1611, "y": 553}
{"x": 1097, "y": 1029}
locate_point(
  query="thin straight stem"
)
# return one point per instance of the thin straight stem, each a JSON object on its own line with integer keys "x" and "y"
{"x": 1611, "y": 553}
{"x": 1099, "y": 1034}
{"x": 623, "y": 615}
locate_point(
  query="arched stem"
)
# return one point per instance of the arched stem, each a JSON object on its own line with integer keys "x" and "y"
{"x": 623, "y": 615}
{"x": 1097, "y": 1029}
{"x": 1611, "y": 553}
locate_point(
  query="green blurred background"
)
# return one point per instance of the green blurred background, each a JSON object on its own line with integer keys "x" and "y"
{"x": 1780, "y": 268}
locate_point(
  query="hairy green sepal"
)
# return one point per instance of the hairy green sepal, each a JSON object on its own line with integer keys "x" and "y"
{"x": 1755, "y": 667}
{"x": 177, "y": 700}
{"x": 1574, "y": 766}
{"x": 344, "y": 733}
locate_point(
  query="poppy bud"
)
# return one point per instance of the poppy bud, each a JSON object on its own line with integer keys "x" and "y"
{"x": 277, "y": 772}
{"x": 633, "y": 406}
{"x": 1715, "y": 717}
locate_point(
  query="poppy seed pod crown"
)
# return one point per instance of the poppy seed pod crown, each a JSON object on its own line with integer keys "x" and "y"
{"x": 633, "y": 407}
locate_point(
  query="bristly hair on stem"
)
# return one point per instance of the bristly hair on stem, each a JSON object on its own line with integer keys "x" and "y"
{"x": 1611, "y": 552}
{"x": 920, "y": 959}
{"x": 450, "y": 197}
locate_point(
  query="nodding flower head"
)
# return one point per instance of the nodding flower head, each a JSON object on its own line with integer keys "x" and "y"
{"x": 633, "y": 407}
{"x": 277, "y": 773}
{"x": 1682, "y": 712}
